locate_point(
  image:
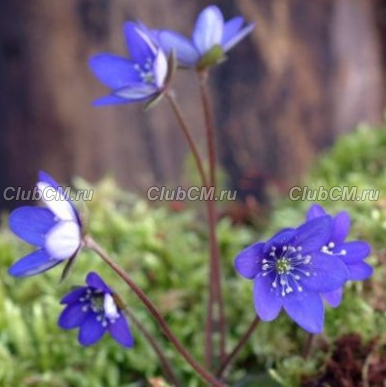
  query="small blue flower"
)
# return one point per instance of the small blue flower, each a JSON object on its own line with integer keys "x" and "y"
{"x": 352, "y": 253}
{"x": 56, "y": 230}
{"x": 210, "y": 32}
{"x": 289, "y": 271}
{"x": 141, "y": 78}
{"x": 94, "y": 310}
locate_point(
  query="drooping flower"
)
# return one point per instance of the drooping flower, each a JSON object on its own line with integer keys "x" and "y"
{"x": 56, "y": 230}
{"x": 352, "y": 253}
{"x": 141, "y": 78}
{"x": 290, "y": 271}
{"x": 212, "y": 37}
{"x": 94, "y": 310}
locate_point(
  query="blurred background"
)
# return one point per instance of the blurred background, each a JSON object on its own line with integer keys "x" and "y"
{"x": 309, "y": 72}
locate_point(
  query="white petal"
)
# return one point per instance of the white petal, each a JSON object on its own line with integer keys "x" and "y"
{"x": 209, "y": 29}
{"x": 160, "y": 69}
{"x": 63, "y": 240}
{"x": 111, "y": 310}
{"x": 57, "y": 202}
{"x": 136, "y": 92}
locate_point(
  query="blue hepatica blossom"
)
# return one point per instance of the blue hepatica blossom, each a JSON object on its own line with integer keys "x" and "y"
{"x": 290, "y": 271}
{"x": 143, "y": 77}
{"x": 56, "y": 230}
{"x": 94, "y": 311}
{"x": 352, "y": 253}
{"x": 211, "y": 32}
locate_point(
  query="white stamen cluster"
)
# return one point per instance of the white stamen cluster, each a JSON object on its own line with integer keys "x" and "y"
{"x": 287, "y": 266}
{"x": 146, "y": 72}
{"x": 328, "y": 249}
{"x": 95, "y": 300}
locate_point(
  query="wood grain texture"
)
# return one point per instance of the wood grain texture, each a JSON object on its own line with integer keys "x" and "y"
{"x": 309, "y": 71}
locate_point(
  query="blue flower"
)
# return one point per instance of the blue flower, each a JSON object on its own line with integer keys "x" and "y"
{"x": 212, "y": 38}
{"x": 56, "y": 230}
{"x": 290, "y": 271}
{"x": 352, "y": 253}
{"x": 141, "y": 78}
{"x": 94, "y": 310}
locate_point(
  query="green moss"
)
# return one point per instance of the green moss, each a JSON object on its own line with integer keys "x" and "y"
{"x": 165, "y": 252}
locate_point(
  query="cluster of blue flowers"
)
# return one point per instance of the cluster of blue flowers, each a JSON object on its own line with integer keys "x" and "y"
{"x": 296, "y": 270}
{"x": 147, "y": 74}
{"x": 299, "y": 267}
{"x": 57, "y": 230}
{"x": 57, "y": 233}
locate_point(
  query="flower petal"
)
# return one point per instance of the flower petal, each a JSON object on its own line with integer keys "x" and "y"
{"x": 315, "y": 211}
{"x": 74, "y": 296}
{"x": 247, "y": 262}
{"x": 120, "y": 331}
{"x": 139, "y": 45}
{"x": 341, "y": 224}
{"x": 160, "y": 68}
{"x": 109, "y": 100}
{"x": 306, "y": 309}
{"x": 313, "y": 235}
{"x": 56, "y": 200}
{"x": 237, "y": 38}
{"x": 63, "y": 240}
{"x": 359, "y": 271}
{"x": 32, "y": 224}
{"x": 95, "y": 281}
{"x": 209, "y": 29}
{"x": 114, "y": 71}
{"x": 355, "y": 251}
{"x": 280, "y": 239}
{"x": 231, "y": 28}
{"x": 91, "y": 330}
{"x": 47, "y": 179}
{"x": 32, "y": 264}
{"x": 72, "y": 316}
{"x": 266, "y": 298}
{"x": 186, "y": 52}
{"x": 333, "y": 298}
{"x": 326, "y": 273}
{"x": 136, "y": 92}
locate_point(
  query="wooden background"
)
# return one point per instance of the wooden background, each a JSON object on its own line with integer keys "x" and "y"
{"x": 310, "y": 71}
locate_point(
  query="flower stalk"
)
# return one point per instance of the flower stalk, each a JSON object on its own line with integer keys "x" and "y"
{"x": 215, "y": 298}
{"x": 201, "y": 371}
{"x": 165, "y": 364}
{"x": 239, "y": 346}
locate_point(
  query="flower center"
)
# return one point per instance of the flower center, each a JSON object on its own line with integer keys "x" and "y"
{"x": 146, "y": 72}
{"x": 286, "y": 267}
{"x": 102, "y": 304}
{"x": 282, "y": 266}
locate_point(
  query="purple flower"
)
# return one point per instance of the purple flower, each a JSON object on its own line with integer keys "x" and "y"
{"x": 290, "y": 271}
{"x": 352, "y": 253}
{"x": 94, "y": 310}
{"x": 141, "y": 78}
{"x": 212, "y": 38}
{"x": 56, "y": 230}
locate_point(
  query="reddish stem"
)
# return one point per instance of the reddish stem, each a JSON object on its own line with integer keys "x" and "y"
{"x": 202, "y": 372}
{"x": 216, "y": 298}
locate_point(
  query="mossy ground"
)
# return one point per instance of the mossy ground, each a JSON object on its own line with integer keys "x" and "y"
{"x": 165, "y": 253}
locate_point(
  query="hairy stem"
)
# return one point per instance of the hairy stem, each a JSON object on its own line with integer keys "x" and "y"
{"x": 239, "y": 346}
{"x": 216, "y": 298}
{"x": 188, "y": 136}
{"x": 308, "y": 345}
{"x": 168, "y": 369}
{"x": 201, "y": 371}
